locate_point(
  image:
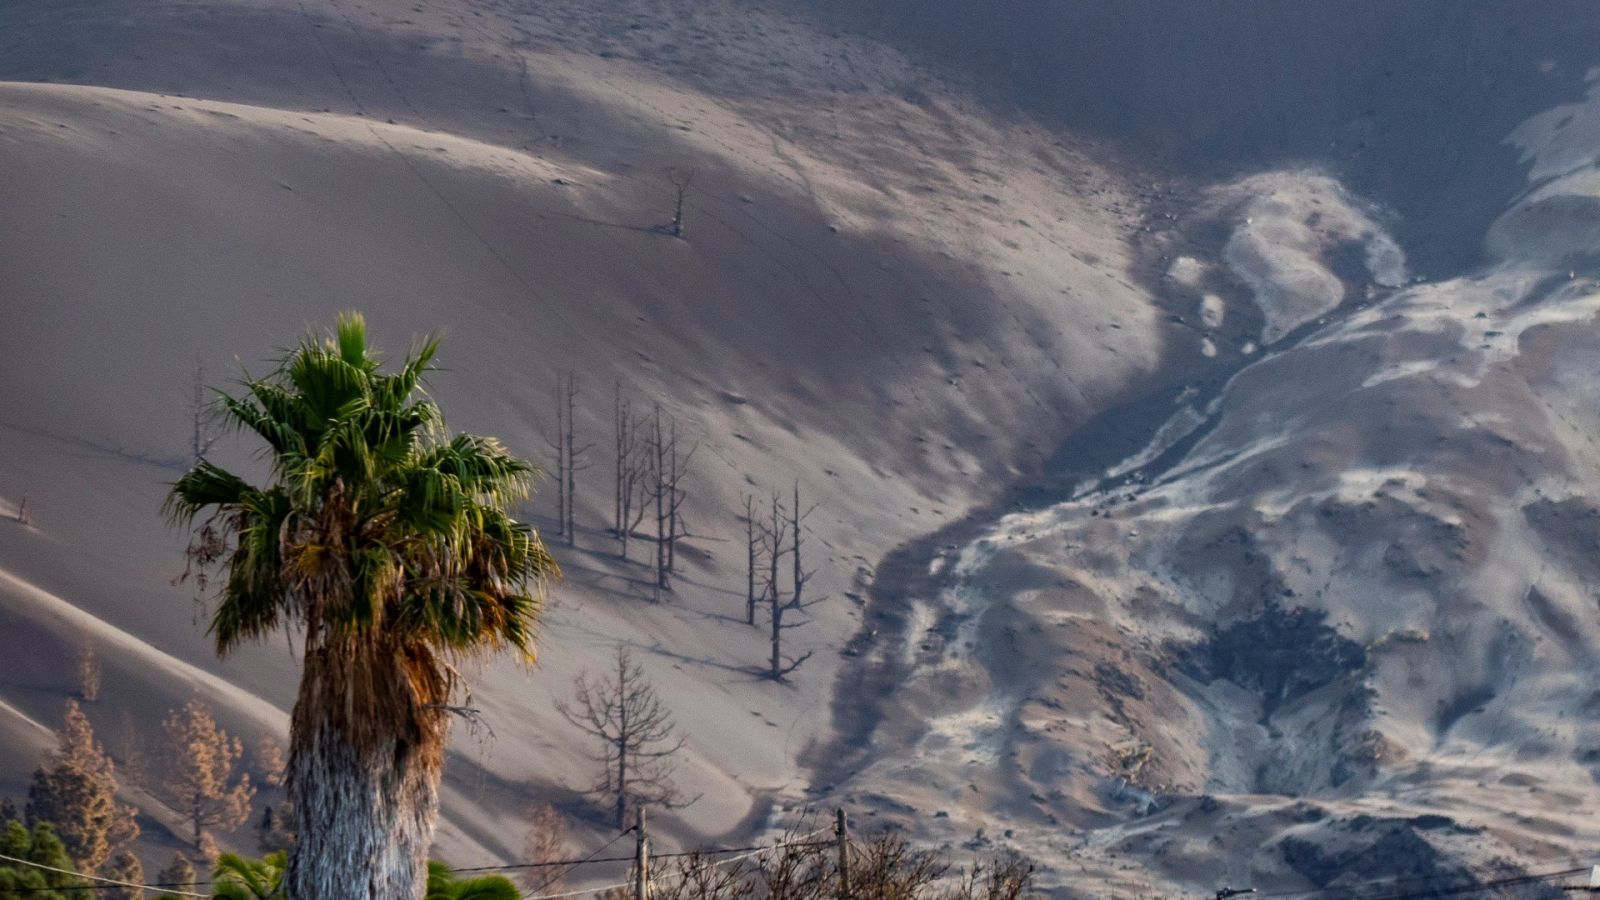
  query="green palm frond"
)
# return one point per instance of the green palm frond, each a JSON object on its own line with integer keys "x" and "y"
{"x": 203, "y": 486}
{"x": 377, "y": 525}
{"x": 443, "y": 884}
{"x": 252, "y": 596}
{"x": 237, "y": 878}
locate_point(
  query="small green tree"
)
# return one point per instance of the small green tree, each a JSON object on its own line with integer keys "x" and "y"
{"x": 40, "y": 845}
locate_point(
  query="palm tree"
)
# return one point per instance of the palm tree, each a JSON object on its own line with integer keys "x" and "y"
{"x": 389, "y": 543}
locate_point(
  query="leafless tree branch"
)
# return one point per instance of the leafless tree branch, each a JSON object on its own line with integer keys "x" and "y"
{"x": 635, "y": 738}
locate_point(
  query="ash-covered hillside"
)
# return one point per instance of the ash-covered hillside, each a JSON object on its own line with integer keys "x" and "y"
{"x": 1197, "y": 398}
{"x": 894, "y": 304}
{"x": 1330, "y": 619}
{"x": 1409, "y": 103}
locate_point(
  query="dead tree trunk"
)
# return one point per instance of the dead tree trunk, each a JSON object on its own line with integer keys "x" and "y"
{"x": 576, "y": 461}
{"x": 750, "y": 545}
{"x": 620, "y": 454}
{"x": 203, "y": 438}
{"x": 680, "y": 186}
{"x": 658, "y": 490}
{"x": 775, "y": 534}
{"x": 569, "y": 455}
{"x": 801, "y": 576}
{"x": 632, "y": 469}
{"x": 674, "y": 501}
{"x": 773, "y": 590}
{"x": 668, "y": 465}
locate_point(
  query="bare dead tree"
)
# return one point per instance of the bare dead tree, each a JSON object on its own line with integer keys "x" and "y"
{"x": 783, "y": 535}
{"x": 881, "y": 867}
{"x": 544, "y": 844}
{"x": 570, "y": 457}
{"x": 576, "y": 456}
{"x": 622, "y": 453}
{"x": 632, "y": 466}
{"x": 636, "y": 737}
{"x": 1006, "y": 876}
{"x": 668, "y": 465}
{"x": 701, "y": 877}
{"x": 675, "y": 497}
{"x": 200, "y": 414}
{"x": 680, "y": 186}
{"x": 658, "y": 492}
{"x": 752, "y": 547}
{"x": 887, "y": 866}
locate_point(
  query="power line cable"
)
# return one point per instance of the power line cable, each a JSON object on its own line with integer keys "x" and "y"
{"x": 801, "y": 841}
{"x": 1482, "y": 886}
{"x": 104, "y": 882}
{"x": 1351, "y": 890}
{"x": 750, "y": 851}
{"x": 165, "y": 887}
{"x": 168, "y": 887}
{"x": 743, "y": 853}
{"x": 710, "y": 851}
{"x": 594, "y": 890}
{"x": 588, "y": 859}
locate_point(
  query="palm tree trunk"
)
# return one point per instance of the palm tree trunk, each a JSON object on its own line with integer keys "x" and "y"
{"x": 364, "y": 779}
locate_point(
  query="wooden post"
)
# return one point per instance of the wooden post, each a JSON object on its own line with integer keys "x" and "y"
{"x": 641, "y": 859}
{"x": 842, "y": 834}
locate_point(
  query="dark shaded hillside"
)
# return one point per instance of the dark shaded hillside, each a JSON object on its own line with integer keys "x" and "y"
{"x": 1407, "y": 102}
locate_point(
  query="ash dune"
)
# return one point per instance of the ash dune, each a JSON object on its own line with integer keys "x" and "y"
{"x": 818, "y": 323}
{"x": 1201, "y": 424}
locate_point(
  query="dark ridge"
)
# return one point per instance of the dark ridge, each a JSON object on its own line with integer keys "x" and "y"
{"x": 1280, "y": 654}
{"x": 1409, "y": 103}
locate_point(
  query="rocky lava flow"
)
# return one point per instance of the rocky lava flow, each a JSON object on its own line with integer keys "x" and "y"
{"x": 1330, "y": 624}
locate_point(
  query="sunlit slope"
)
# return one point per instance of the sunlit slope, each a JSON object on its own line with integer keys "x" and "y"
{"x": 845, "y": 334}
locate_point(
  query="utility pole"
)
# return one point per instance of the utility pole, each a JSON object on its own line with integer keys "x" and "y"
{"x": 641, "y": 859}
{"x": 841, "y": 833}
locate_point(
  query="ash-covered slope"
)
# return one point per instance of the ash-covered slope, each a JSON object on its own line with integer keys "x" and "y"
{"x": 1296, "y": 595}
{"x": 1408, "y": 103}
{"x": 1335, "y": 622}
{"x": 900, "y": 305}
